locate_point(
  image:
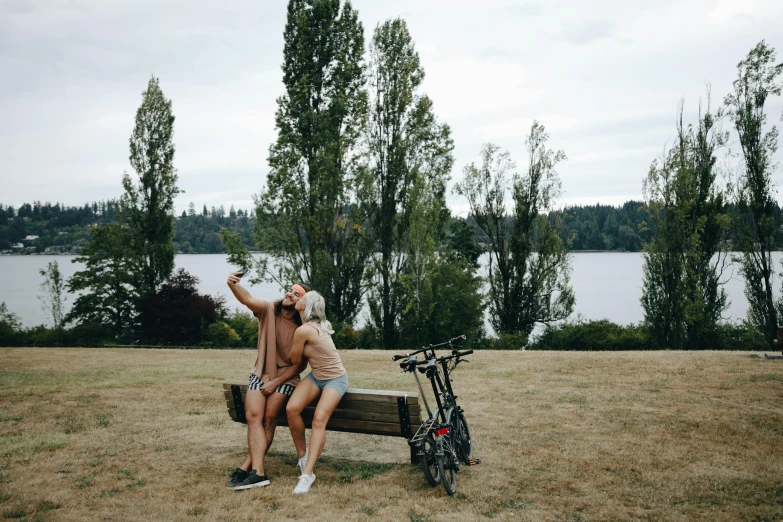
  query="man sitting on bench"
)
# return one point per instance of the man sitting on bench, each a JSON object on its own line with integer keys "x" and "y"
{"x": 273, "y": 377}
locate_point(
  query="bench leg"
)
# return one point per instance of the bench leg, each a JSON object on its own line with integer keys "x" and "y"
{"x": 414, "y": 456}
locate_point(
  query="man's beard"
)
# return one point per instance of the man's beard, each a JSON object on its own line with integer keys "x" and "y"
{"x": 289, "y": 307}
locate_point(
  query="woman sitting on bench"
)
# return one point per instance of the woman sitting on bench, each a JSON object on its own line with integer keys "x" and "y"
{"x": 328, "y": 379}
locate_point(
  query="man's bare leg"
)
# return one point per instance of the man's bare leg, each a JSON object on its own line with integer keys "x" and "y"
{"x": 255, "y": 404}
{"x": 275, "y": 403}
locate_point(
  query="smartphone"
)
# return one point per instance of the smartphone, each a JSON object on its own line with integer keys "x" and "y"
{"x": 242, "y": 272}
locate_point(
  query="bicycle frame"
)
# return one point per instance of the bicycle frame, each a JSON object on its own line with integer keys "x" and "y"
{"x": 429, "y": 354}
{"x": 445, "y": 432}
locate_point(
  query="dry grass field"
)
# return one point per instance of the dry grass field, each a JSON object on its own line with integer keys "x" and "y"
{"x": 89, "y": 434}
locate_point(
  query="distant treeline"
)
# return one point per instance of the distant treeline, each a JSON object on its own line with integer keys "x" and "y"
{"x": 57, "y": 228}
{"x": 68, "y": 229}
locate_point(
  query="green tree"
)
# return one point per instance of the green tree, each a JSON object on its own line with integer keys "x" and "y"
{"x": 462, "y": 243}
{"x": 10, "y": 327}
{"x": 418, "y": 297}
{"x": 682, "y": 297}
{"x": 758, "y": 78}
{"x": 529, "y": 264}
{"x": 148, "y": 204}
{"x": 53, "y": 296}
{"x": 307, "y": 219}
{"x": 406, "y": 143}
{"x": 107, "y": 293}
{"x": 453, "y": 297}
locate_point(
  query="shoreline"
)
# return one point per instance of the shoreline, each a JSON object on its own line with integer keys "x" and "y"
{"x": 66, "y": 254}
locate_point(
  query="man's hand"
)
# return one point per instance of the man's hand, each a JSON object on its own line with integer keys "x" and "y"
{"x": 233, "y": 279}
{"x": 269, "y": 387}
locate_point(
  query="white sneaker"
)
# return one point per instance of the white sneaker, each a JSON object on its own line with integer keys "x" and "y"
{"x": 305, "y": 481}
{"x": 301, "y": 465}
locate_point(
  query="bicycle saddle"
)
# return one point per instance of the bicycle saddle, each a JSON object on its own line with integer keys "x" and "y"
{"x": 408, "y": 364}
{"x": 431, "y": 364}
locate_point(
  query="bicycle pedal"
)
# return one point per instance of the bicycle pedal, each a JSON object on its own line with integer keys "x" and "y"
{"x": 473, "y": 462}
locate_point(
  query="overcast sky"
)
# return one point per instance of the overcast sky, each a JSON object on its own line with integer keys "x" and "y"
{"x": 604, "y": 78}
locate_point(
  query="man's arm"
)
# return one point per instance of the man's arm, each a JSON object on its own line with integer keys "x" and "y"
{"x": 286, "y": 375}
{"x": 255, "y": 304}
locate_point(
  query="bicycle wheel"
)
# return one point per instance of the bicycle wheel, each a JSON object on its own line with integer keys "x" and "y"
{"x": 428, "y": 463}
{"x": 462, "y": 439}
{"x": 447, "y": 473}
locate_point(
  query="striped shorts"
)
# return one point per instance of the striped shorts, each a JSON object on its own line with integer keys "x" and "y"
{"x": 255, "y": 383}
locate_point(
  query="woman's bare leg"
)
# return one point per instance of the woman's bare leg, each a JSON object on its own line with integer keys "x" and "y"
{"x": 305, "y": 393}
{"x": 326, "y": 406}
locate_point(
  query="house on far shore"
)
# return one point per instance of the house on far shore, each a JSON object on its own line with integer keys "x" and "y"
{"x": 30, "y": 238}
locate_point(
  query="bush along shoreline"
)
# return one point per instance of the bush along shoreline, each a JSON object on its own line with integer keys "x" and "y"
{"x": 239, "y": 330}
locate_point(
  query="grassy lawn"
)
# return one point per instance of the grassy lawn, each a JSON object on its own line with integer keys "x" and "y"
{"x": 99, "y": 434}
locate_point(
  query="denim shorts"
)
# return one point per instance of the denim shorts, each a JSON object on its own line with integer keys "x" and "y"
{"x": 338, "y": 384}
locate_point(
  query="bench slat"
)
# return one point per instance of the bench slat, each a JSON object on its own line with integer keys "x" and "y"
{"x": 349, "y": 403}
{"x": 342, "y": 413}
{"x": 349, "y": 425}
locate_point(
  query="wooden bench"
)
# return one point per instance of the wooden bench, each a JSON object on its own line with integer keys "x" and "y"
{"x": 373, "y": 412}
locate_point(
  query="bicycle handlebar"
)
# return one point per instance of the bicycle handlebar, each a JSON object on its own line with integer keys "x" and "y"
{"x": 447, "y": 343}
{"x": 430, "y": 347}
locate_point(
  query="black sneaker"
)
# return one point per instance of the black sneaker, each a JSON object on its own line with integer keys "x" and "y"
{"x": 253, "y": 480}
{"x": 237, "y": 478}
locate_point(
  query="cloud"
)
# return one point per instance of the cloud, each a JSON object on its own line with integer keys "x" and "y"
{"x": 527, "y": 9}
{"x": 518, "y": 128}
{"x": 74, "y": 70}
{"x": 586, "y": 32}
{"x": 729, "y": 10}
{"x": 469, "y": 86}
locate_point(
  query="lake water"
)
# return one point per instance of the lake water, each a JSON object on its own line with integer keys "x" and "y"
{"x": 607, "y": 285}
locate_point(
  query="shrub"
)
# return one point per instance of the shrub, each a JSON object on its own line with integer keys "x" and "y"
{"x": 505, "y": 341}
{"x": 221, "y": 335}
{"x": 10, "y": 327}
{"x": 605, "y": 335}
{"x": 177, "y": 314}
{"x": 600, "y": 335}
{"x": 246, "y": 326}
{"x": 345, "y": 337}
{"x": 742, "y": 336}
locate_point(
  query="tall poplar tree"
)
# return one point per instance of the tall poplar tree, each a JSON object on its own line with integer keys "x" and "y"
{"x": 129, "y": 258}
{"x": 148, "y": 203}
{"x": 758, "y": 78}
{"x": 681, "y": 295}
{"x": 407, "y": 148}
{"x": 307, "y": 219}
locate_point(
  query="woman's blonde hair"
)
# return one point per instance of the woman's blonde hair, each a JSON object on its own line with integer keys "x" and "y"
{"x": 315, "y": 311}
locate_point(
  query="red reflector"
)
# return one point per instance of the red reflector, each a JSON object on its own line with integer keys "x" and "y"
{"x": 441, "y": 431}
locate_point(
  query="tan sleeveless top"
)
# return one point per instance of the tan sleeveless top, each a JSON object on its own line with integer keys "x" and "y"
{"x": 275, "y": 341}
{"x": 324, "y": 360}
